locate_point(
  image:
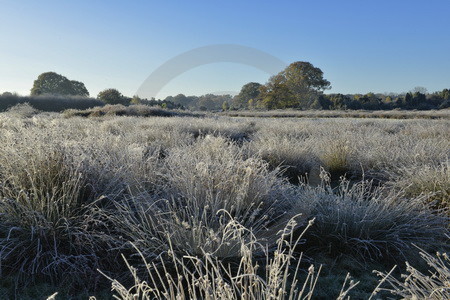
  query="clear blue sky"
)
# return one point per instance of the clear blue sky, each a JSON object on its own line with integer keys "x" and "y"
{"x": 361, "y": 46}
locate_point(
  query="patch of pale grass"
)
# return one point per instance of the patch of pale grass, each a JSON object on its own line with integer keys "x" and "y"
{"x": 336, "y": 156}
{"x": 430, "y": 181}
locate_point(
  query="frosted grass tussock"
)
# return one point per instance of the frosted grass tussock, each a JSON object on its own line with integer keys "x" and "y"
{"x": 200, "y": 181}
{"x": 371, "y": 223}
{"x": 45, "y": 216}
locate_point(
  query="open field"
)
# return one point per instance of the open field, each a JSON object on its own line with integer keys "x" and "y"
{"x": 378, "y": 114}
{"x": 223, "y": 207}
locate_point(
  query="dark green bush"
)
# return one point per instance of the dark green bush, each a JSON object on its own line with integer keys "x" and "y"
{"x": 49, "y": 103}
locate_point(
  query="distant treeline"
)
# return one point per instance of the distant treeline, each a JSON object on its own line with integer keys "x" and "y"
{"x": 209, "y": 102}
{"x": 205, "y": 102}
{"x": 59, "y": 103}
{"x": 299, "y": 86}
{"x": 370, "y": 101}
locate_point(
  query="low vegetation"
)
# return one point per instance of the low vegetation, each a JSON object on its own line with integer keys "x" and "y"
{"x": 218, "y": 207}
{"x": 48, "y": 103}
{"x": 121, "y": 110}
{"x": 376, "y": 114}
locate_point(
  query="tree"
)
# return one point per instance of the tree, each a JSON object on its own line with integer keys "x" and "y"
{"x": 181, "y": 100}
{"x": 407, "y": 101}
{"x": 249, "y": 91}
{"x": 251, "y": 104}
{"x": 304, "y": 81}
{"x": 79, "y": 88}
{"x": 225, "y": 106}
{"x": 56, "y": 84}
{"x": 419, "y": 89}
{"x": 370, "y": 101}
{"x": 277, "y": 95}
{"x": 136, "y": 100}
{"x": 445, "y": 94}
{"x": 212, "y": 102}
{"x": 339, "y": 101}
{"x": 419, "y": 99}
{"x": 322, "y": 102}
{"x": 7, "y": 94}
{"x": 112, "y": 96}
{"x": 439, "y": 99}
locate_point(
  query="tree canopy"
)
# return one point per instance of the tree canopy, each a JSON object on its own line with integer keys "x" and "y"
{"x": 249, "y": 91}
{"x": 300, "y": 82}
{"x": 51, "y": 83}
{"x": 110, "y": 96}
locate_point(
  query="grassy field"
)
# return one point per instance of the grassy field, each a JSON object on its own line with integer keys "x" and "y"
{"x": 377, "y": 114}
{"x": 222, "y": 207}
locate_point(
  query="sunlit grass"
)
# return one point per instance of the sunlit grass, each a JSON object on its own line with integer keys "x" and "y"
{"x": 210, "y": 197}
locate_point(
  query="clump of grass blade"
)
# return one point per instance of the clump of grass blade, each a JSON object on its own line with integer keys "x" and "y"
{"x": 207, "y": 277}
{"x": 417, "y": 285}
{"x": 370, "y": 222}
{"x": 46, "y": 217}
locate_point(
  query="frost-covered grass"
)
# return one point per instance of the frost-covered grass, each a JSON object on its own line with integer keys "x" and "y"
{"x": 211, "y": 199}
{"x": 139, "y": 110}
{"x": 432, "y": 284}
{"x": 378, "y": 114}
